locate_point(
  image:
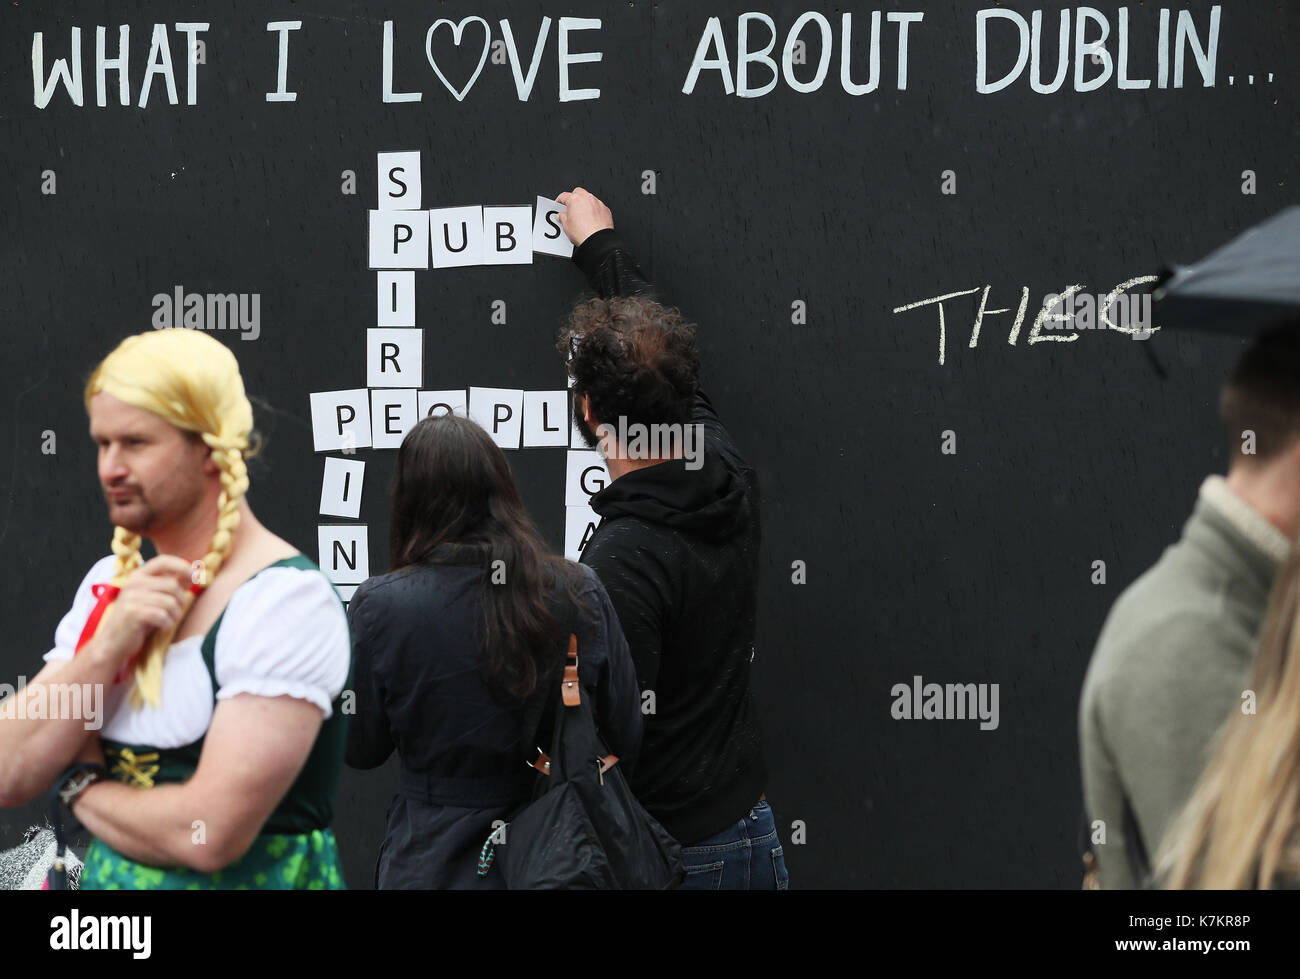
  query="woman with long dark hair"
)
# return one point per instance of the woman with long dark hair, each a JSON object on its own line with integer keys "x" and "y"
{"x": 452, "y": 642}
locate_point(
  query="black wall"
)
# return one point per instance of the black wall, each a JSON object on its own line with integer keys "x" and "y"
{"x": 966, "y": 567}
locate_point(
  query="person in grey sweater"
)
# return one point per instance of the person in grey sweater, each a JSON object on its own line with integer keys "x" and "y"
{"x": 1174, "y": 653}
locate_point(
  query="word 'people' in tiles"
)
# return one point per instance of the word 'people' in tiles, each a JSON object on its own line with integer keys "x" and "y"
{"x": 379, "y": 418}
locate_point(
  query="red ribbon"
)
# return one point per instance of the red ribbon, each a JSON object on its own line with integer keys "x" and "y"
{"x": 105, "y": 595}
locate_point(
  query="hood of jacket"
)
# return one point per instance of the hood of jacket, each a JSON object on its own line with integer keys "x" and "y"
{"x": 709, "y": 502}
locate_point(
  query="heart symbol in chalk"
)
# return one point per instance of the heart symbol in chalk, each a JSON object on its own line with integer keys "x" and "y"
{"x": 456, "y": 30}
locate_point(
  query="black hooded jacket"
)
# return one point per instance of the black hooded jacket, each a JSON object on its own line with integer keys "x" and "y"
{"x": 677, "y": 551}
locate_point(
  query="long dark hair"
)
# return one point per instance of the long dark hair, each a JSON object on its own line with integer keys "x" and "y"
{"x": 453, "y": 492}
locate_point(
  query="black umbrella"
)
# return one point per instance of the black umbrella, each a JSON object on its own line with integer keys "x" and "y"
{"x": 1245, "y": 288}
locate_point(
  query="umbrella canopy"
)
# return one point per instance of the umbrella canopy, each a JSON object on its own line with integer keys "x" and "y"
{"x": 1245, "y": 288}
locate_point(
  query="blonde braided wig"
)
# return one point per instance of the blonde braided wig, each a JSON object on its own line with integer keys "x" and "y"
{"x": 191, "y": 381}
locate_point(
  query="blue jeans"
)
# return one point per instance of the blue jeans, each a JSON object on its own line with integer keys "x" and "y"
{"x": 746, "y": 856}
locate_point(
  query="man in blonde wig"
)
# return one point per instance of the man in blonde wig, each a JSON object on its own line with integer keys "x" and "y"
{"x": 222, "y": 659}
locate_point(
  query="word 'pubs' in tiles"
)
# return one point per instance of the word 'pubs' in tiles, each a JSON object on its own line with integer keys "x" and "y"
{"x": 406, "y": 236}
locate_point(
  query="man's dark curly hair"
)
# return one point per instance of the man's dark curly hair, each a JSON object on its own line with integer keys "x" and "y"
{"x": 633, "y": 358}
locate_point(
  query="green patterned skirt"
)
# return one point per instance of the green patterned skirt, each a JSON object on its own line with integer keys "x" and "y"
{"x": 275, "y": 862}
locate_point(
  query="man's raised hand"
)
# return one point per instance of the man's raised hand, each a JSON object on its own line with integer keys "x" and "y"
{"x": 586, "y": 215}
{"x": 151, "y": 598}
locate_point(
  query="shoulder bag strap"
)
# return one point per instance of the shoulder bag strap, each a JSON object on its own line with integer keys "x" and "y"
{"x": 571, "y": 696}
{"x": 542, "y": 702}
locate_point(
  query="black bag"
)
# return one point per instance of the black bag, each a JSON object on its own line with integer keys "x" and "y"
{"x": 584, "y": 828}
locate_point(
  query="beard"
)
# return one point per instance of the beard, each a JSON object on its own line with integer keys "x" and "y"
{"x": 135, "y": 514}
{"x": 587, "y": 436}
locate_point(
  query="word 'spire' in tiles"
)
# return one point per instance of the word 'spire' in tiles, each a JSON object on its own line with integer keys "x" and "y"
{"x": 545, "y": 414}
{"x": 580, "y": 523}
{"x": 394, "y": 358}
{"x": 399, "y": 181}
{"x": 344, "y": 552}
{"x": 584, "y": 476}
{"x": 393, "y": 413}
{"x": 340, "y": 419}
{"x": 500, "y": 412}
{"x": 340, "y": 490}
{"x": 548, "y": 237}
{"x": 396, "y": 294}
{"x": 434, "y": 403}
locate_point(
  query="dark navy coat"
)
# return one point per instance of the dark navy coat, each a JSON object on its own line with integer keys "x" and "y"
{"x": 419, "y": 691}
